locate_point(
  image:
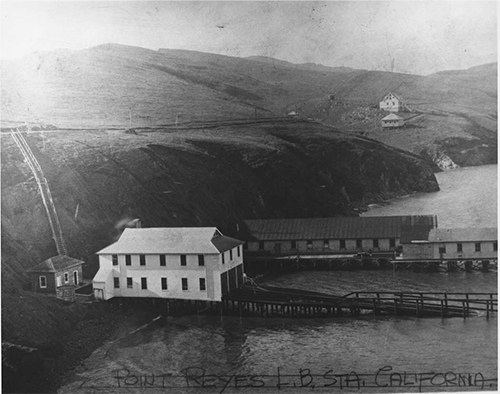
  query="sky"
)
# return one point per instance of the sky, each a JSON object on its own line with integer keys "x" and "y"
{"x": 416, "y": 37}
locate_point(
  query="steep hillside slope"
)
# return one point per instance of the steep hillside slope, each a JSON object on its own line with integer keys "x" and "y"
{"x": 118, "y": 86}
{"x": 185, "y": 178}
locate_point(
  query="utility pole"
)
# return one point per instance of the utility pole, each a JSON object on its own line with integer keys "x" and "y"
{"x": 130, "y": 117}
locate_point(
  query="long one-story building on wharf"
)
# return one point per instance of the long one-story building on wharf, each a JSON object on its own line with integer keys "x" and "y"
{"x": 452, "y": 244}
{"x": 335, "y": 235}
{"x": 185, "y": 263}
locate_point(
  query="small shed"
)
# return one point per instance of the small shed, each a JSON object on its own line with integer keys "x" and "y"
{"x": 292, "y": 114}
{"x": 57, "y": 271}
{"x": 393, "y": 121}
{"x": 66, "y": 293}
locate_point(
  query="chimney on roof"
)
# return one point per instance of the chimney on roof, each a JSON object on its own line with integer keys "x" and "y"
{"x": 136, "y": 223}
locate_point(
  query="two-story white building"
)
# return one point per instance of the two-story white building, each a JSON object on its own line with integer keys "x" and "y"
{"x": 173, "y": 263}
{"x": 392, "y": 103}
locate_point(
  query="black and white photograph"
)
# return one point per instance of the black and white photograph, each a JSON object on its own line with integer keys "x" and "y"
{"x": 249, "y": 197}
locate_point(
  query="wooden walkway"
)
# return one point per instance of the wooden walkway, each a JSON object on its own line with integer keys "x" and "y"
{"x": 272, "y": 301}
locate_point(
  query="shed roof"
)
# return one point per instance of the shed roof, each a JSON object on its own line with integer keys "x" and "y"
{"x": 56, "y": 264}
{"x": 171, "y": 240}
{"x": 393, "y": 116}
{"x": 463, "y": 234}
{"x": 331, "y": 228}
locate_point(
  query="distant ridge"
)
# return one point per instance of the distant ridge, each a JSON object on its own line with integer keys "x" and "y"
{"x": 305, "y": 66}
{"x": 112, "y": 85}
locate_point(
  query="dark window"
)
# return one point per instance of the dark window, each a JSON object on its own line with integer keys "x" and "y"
{"x": 183, "y": 259}
{"x": 239, "y": 250}
{"x": 128, "y": 259}
{"x": 392, "y": 243}
{"x": 309, "y": 244}
{"x": 359, "y": 243}
{"x": 142, "y": 259}
{"x": 442, "y": 249}
{"x": 43, "y": 281}
{"x": 144, "y": 283}
{"x": 223, "y": 258}
{"x": 478, "y": 246}
{"x": 375, "y": 243}
{"x": 115, "y": 259}
{"x": 164, "y": 284}
{"x": 459, "y": 248}
{"x": 342, "y": 244}
{"x": 294, "y": 244}
{"x": 129, "y": 283}
{"x": 201, "y": 259}
{"x": 117, "y": 283}
{"x": 326, "y": 244}
{"x": 184, "y": 283}
{"x": 495, "y": 247}
{"x": 163, "y": 260}
{"x": 261, "y": 245}
{"x": 203, "y": 285}
{"x": 66, "y": 277}
{"x": 231, "y": 255}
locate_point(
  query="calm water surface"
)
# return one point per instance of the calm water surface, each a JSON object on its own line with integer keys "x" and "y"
{"x": 468, "y": 198}
{"x": 314, "y": 351}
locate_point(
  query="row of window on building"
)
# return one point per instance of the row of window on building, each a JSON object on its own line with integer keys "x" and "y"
{"x": 182, "y": 259}
{"x": 164, "y": 283}
{"x": 326, "y": 243}
{"x": 477, "y": 246}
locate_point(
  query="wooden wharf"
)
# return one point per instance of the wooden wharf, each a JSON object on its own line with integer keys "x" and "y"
{"x": 272, "y": 301}
{"x": 445, "y": 265}
{"x": 364, "y": 261}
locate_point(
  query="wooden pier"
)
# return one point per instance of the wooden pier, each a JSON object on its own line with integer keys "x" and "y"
{"x": 334, "y": 262}
{"x": 266, "y": 301}
{"x": 271, "y": 301}
{"x": 445, "y": 265}
{"x": 364, "y": 261}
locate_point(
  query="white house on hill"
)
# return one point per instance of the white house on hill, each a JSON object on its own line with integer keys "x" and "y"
{"x": 392, "y": 103}
{"x": 186, "y": 263}
{"x": 393, "y": 120}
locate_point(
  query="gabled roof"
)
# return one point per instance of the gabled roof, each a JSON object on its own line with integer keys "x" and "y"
{"x": 463, "y": 234}
{"x": 395, "y": 95}
{"x": 393, "y": 116}
{"x": 56, "y": 264}
{"x": 331, "y": 228}
{"x": 171, "y": 240}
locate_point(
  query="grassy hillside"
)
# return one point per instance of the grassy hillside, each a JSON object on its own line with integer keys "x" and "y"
{"x": 189, "y": 177}
{"x": 107, "y": 85}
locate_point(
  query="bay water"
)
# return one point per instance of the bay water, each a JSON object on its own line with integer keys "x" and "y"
{"x": 216, "y": 354}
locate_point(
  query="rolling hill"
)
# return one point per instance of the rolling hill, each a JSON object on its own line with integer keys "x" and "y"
{"x": 209, "y": 145}
{"x": 114, "y": 86}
